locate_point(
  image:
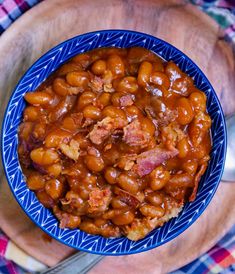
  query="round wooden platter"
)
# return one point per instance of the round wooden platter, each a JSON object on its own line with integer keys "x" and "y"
{"x": 177, "y": 22}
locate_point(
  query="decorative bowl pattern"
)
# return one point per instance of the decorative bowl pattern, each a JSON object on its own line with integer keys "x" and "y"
{"x": 43, "y": 217}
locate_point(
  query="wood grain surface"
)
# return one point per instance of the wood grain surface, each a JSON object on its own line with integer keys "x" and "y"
{"x": 177, "y": 22}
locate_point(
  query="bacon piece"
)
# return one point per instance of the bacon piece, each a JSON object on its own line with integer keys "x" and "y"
{"x": 66, "y": 219}
{"x": 99, "y": 200}
{"x": 127, "y": 198}
{"x": 108, "y": 88}
{"x": 127, "y": 100}
{"x": 126, "y": 162}
{"x": 71, "y": 150}
{"x": 77, "y": 118}
{"x": 97, "y": 84}
{"x": 103, "y": 129}
{"x": 196, "y": 181}
{"x": 171, "y": 135}
{"x": 166, "y": 117}
{"x": 134, "y": 135}
{"x": 148, "y": 160}
{"x": 88, "y": 122}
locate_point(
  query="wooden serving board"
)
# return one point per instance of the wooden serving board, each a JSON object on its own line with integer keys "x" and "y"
{"x": 177, "y": 22}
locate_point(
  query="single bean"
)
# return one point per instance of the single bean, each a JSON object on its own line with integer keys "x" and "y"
{"x": 111, "y": 175}
{"x": 89, "y": 227}
{"x": 86, "y": 98}
{"x": 35, "y": 181}
{"x": 104, "y": 99}
{"x": 100, "y": 222}
{"x": 147, "y": 126}
{"x": 152, "y": 211}
{"x": 54, "y": 170}
{"x": 44, "y": 156}
{"x": 91, "y": 112}
{"x": 56, "y": 137}
{"x": 182, "y": 85}
{"x": 124, "y": 219}
{"x": 83, "y": 59}
{"x": 98, "y": 67}
{"x": 181, "y": 180}
{"x": 95, "y": 164}
{"x": 113, "y": 112}
{"x": 198, "y": 101}
{"x": 155, "y": 198}
{"x": 38, "y": 98}
{"x": 173, "y": 71}
{"x": 78, "y": 79}
{"x": 183, "y": 147}
{"x": 70, "y": 124}
{"x": 133, "y": 111}
{"x": 116, "y": 65}
{"x": 84, "y": 193}
{"x": 128, "y": 183}
{"x": 190, "y": 167}
{"x": 160, "y": 79}
{"x": 70, "y": 221}
{"x": 118, "y": 204}
{"x": 128, "y": 84}
{"x": 144, "y": 73}
{"x": 185, "y": 111}
{"x": 54, "y": 188}
{"x": 159, "y": 178}
{"x": 31, "y": 113}
{"x": 64, "y": 106}
{"x": 62, "y": 88}
{"x": 69, "y": 67}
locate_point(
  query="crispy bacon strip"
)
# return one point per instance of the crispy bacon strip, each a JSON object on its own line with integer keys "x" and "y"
{"x": 134, "y": 135}
{"x": 103, "y": 129}
{"x": 197, "y": 180}
{"x": 148, "y": 160}
{"x": 99, "y": 200}
{"x": 127, "y": 198}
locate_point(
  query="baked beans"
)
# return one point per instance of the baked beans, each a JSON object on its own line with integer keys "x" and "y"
{"x": 115, "y": 142}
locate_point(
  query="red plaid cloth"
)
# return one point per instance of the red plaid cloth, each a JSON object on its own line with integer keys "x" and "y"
{"x": 10, "y": 10}
{"x": 221, "y": 258}
{"x": 7, "y": 267}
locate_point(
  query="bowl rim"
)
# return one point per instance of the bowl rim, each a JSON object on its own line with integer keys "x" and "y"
{"x": 44, "y": 56}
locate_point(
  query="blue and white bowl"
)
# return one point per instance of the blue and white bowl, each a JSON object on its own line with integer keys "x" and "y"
{"x": 43, "y": 217}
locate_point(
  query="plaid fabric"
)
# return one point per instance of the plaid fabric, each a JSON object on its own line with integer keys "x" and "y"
{"x": 10, "y": 10}
{"x": 7, "y": 267}
{"x": 223, "y": 12}
{"x": 221, "y": 258}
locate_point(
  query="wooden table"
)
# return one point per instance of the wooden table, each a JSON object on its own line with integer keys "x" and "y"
{"x": 177, "y": 22}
